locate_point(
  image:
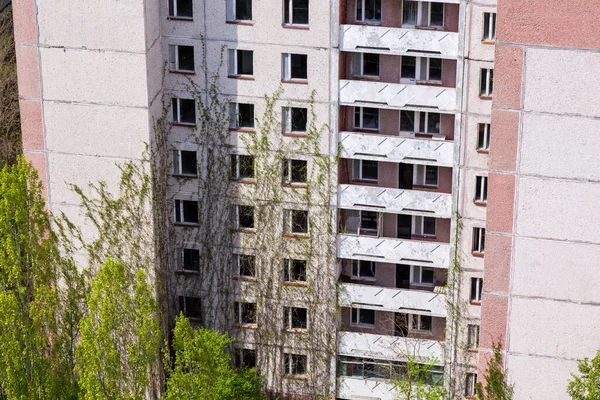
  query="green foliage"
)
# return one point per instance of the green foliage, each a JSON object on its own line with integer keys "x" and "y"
{"x": 202, "y": 367}
{"x": 120, "y": 335}
{"x": 496, "y": 386}
{"x": 586, "y": 386}
{"x": 35, "y": 345}
{"x": 419, "y": 383}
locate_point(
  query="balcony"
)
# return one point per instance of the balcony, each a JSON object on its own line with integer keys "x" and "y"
{"x": 365, "y": 389}
{"x": 392, "y": 299}
{"x": 399, "y": 41}
{"x": 400, "y": 201}
{"x": 368, "y": 345}
{"x": 394, "y": 251}
{"x": 398, "y": 149}
{"x": 398, "y": 96}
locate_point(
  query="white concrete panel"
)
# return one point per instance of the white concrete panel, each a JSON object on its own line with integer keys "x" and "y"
{"x": 475, "y": 104}
{"x": 465, "y": 245}
{"x": 539, "y": 378}
{"x": 559, "y": 270}
{"x": 469, "y": 137}
{"x": 96, "y": 130}
{"x": 554, "y": 328}
{"x": 560, "y": 146}
{"x": 553, "y": 209}
{"x": 92, "y": 24}
{"x": 398, "y": 41}
{"x": 388, "y": 347}
{"x": 477, "y": 49}
{"x": 365, "y": 389}
{"x": 94, "y": 77}
{"x": 81, "y": 170}
{"x": 469, "y": 183}
{"x": 561, "y": 81}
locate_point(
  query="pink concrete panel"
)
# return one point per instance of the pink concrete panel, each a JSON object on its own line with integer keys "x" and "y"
{"x": 508, "y": 68}
{"x": 25, "y": 23}
{"x": 482, "y": 363}
{"x": 451, "y": 14}
{"x": 498, "y": 250}
{"x": 449, "y": 73}
{"x": 390, "y": 225}
{"x": 447, "y": 126}
{"x": 388, "y": 174}
{"x": 38, "y": 161}
{"x": 549, "y": 22}
{"x": 31, "y": 124}
{"x": 494, "y": 313}
{"x": 504, "y": 138}
{"x": 28, "y": 72}
{"x": 500, "y": 208}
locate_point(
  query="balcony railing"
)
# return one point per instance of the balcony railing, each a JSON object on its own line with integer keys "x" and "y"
{"x": 399, "y": 41}
{"x": 365, "y": 389}
{"x": 392, "y": 299}
{"x": 398, "y": 96}
{"x": 398, "y": 201}
{"x": 394, "y": 251}
{"x": 398, "y": 149}
{"x": 394, "y": 348}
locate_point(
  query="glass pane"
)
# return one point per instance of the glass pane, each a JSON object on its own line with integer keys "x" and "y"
{"x": 370, "y": 118}
{"x": 435, "y": 69}
{"x": 191, "y": 260}
{"x": 246, "y": 115}
{"x": 190, "y": 212}
{"x": 298, "y": 66}
{"x": 299, "y": 221}
{"x": 371, "y": 64}
{"x": 367, "y": 317}
{"x": 437, "y": 14}
{"x": 187, "y": 113}
{"x": 186, "y": 58}
{"x": 298, "y": 173}
{"x": 370, "y": 169}
{"x": 299, "y": 119}
{"x": 431, "y": 175}
{"x": 408, "y": 70}
{"x": 243, "y": 10}
{"x": 410, "y": 11}
{"x": 246, "y": 217}
{"x": 433, "y": 123}
{"x": 407, "y": 121}
{"x": 184, "y": 8}
{"x": 300, "y": 12}
{"x": 245, "y": 62}
{"x": 368, "y": 220}
{"x": 189, "y": 164}
{"x": 427, "y": 276}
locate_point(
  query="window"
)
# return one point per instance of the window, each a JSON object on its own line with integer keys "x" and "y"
{"x": 366, "y": 118}
{"x": 245, "y": 358}
{"x": 241, "y": 62}
{"x": 243, "y": 217}
{"x": 241, "y": 116}
{"x": 425, "y": 175}
{"x": 188, "y": 260}
{"x": 424, "y": 226}
{"x": 365, "y": 170}
{"x": 363, "y": 270}
{"x": 486, "y": 87}
{"x": 421, "y": 275}
{"x": 366, "y": 64}
{"x": 368, "y": 10}
{"x": 420, "y": 122}
{"x": 185, "y": 163}
{"x": 295, "y": 318}
{"x": 239, "y": 10}
{"x": 473, "y": 337}
{"x": 184, "y": 111}
{"x": 245, "y": 313}
{"x": 483, "y": 137}
{"x": 423, "y": 13}
{"x": 294, "y": 119}
{"x": 359, "y": 222}
{"x": 421, "y": 323}
{"x": 481, "y": 189}
{"x": 489, "y": 27}
{"x": 420, "y": 69}
{"x": 479, "y": 240}
{"x": 296, "y": 221}
{"x": 180, "y": 8}
{"x": 244, "y": 265}
{"x": 470, "y": 383}
{"x": 190, "y": 307}
{"x": 181, "y": 58}
{"x": 294, "y": 270}
{"x": 186, "y": 212}
{"x": 294, "y": 171}
{"x": 295, "y": 12}
{"x": 361, "y": 316}
{"x": 242, "y": 167}
{"x": 294, "y": 364}
{"x": 293, "y": 66}
{"x": 476, "y": 289}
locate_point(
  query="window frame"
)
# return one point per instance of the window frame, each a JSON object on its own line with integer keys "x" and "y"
{"x": 237, "y": 260}
{"x": 489, "y": 28}
{"x": 288, "y": 319}
{"x": 470, "y": 384}
{"x": 357, "y": 266}
{"x": 358, "y": 170}
{"x": 291, "y": 362}
{"x": 176, "y": 112}
{"x": 181, "y": 258}
{"x": 233, "y": 64}
{"x": 359, "y": 66}
{"x": 235, "y": 117}
{"x": 288, "y": 20}
{"x": 419, "y": 282}
{"x": 179, "y": 210}
{"x": 360, "y": 111}
{"x": 416, "y": 224}
{"x": 174, "y": 60}
{"x": 287, "y": 123}
{"x": 476, "y": 291}
{"x": 286, "y": 68}
{"x": 417, "y": 128}
{"x": 183, "y": 300}
{"x": 487, "y": 78}
{"x": 473, "y": 336}
{"x": 478, "y": 241}
{"x": 419, "y": 323}
{"x": 236, "y": 164}
{"x": 289, "y": 272}
{"x": 416, "y": 173}
{"x": 358, "y": 215}
{"x": 483, "y": 136}
{"x": 240, "y": 356}
{"x": 178, "y": 163}
{"x": 240, "y": 313}
{"x": 481, "y": 189}
{"x": 356, "y": 320}
{"x": 173, "y": 10}
{"x": 289, "y": 223}
{"x": 288, "y": 172}
{"x": 363, "y": 9}
{"x": 236, "y": 217}
{"x": 231, "y": 12}
{"x": 420, "y": 15}
{"x": 419, "y": 68}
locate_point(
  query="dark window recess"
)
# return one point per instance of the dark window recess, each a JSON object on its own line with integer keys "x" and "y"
{"x": 298, "y": 66}
{"x": 368, "y": 220}
{"x": 295, "y": 12}
{"x": 425, "y": 324}
{"x": 429, "y": 226}
{"x": 185, "y": 58}
{"x": 431, "y": 175}
{"x": 245, "y": 358}
{"x": 370, "y": 169}
{"x": 189, "y": 165}
{"x": 295, "y": 171}
{"x": 370, "y": 117}
{"x": 363, "y": 316}
{"x": 245, "y": 62}
{"x": 245, "y": 115}
{"x": 296, "y": 318}
{"x": 181, "y": 8}
{"x": 427, "y": 275}
{"x": 191, "y": 260}
{"x": 476, "y": 289}
{"x": 245, "y": 217}
{"x": 187, "y": 113}
{"x": 299, "y": 119}
{"x": 189, "y": 210}
{"x": 299, "y": 221}
{"x": 371, "y": 64}
{"x": 294, "y": 270}
{"x": 247, "y": 265}
{"x": 243, "y": 10}
{"x": 407, "y": 121}
{"x": 190, "y": 307}
{"x": 242, "y": 166}
{"x": 409, "y": 67}
{"x": 247, "y": 312}
{"x": 437, "y": 14}
{"x": 294, "y": 364}
{"x": 363, "y": 269}
{"x": 435, "y": 69}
